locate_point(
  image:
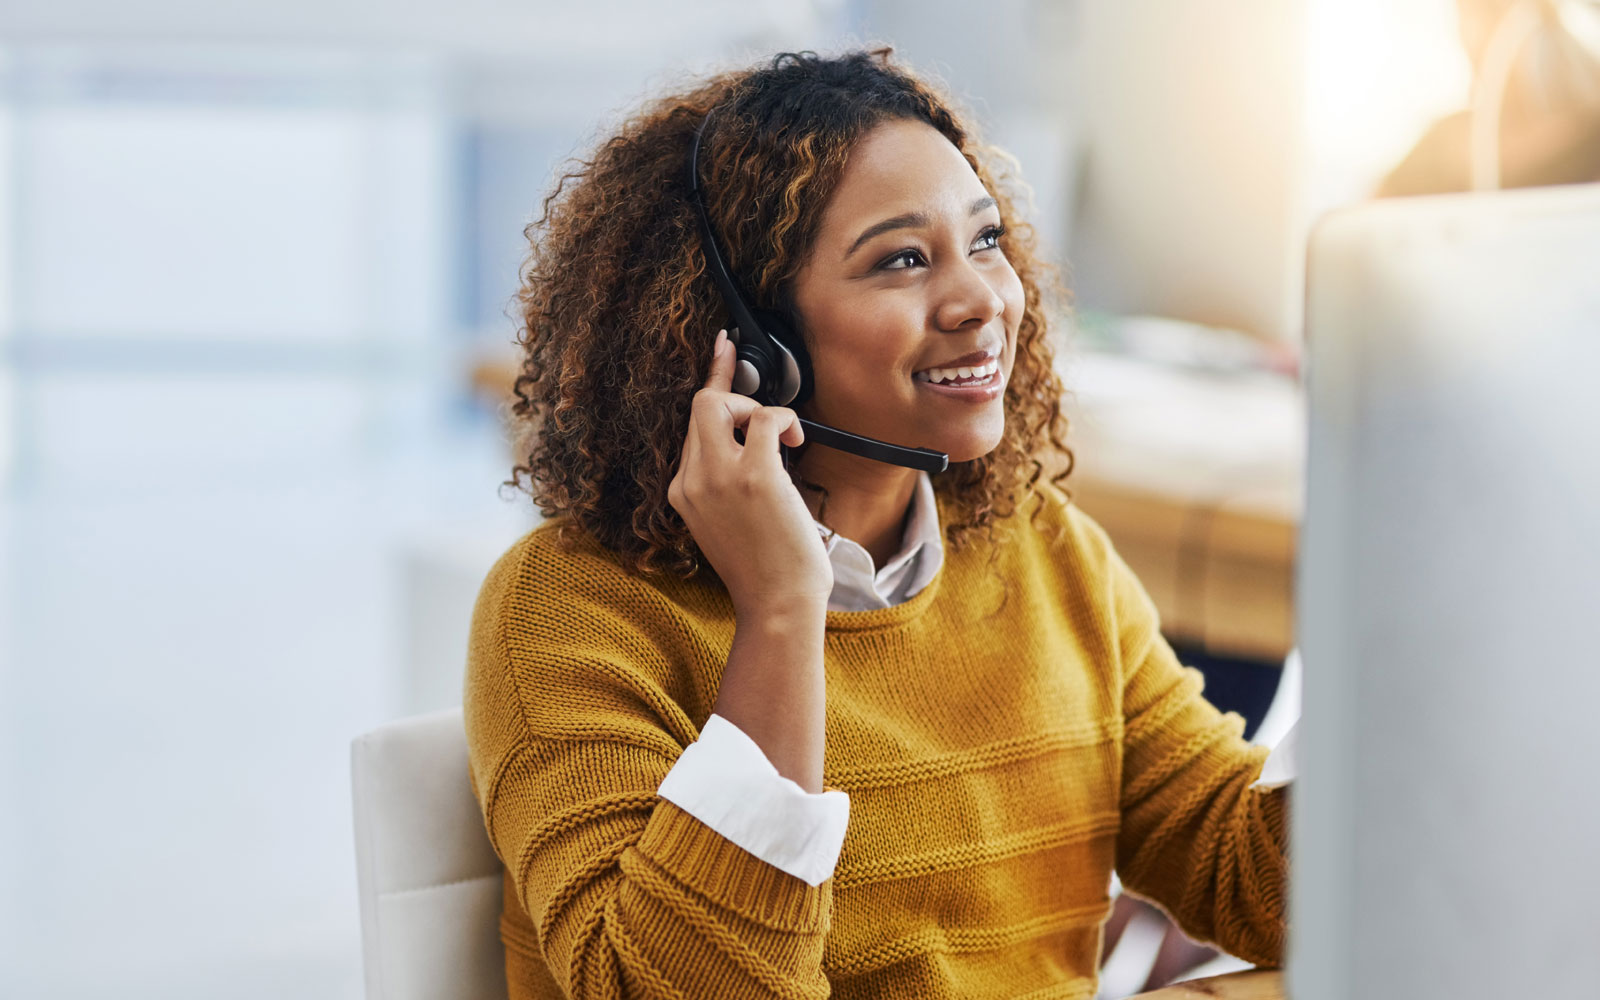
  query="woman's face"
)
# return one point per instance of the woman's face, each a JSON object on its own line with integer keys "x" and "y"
{"x": 904, "y": 286}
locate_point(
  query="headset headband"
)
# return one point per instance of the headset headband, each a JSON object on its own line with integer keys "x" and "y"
{"x": 743, "y": 318}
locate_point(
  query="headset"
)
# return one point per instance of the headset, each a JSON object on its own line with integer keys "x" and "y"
{"x": 772, "y": 366}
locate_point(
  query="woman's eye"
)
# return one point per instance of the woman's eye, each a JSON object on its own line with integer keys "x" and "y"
{"x": 892, "y": 263}
{"x": 989, "y": 239}
{"x": 902, "y": 260}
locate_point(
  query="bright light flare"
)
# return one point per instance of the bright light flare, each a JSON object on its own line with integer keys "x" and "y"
{"x": 1378, "y": 73}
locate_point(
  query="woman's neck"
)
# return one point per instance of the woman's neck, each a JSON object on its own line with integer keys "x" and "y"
{"x": 867, "y": 501}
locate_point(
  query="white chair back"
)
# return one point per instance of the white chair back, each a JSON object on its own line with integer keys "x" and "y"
{"x": 429, "y": 881}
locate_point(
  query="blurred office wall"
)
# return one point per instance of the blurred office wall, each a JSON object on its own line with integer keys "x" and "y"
{"x": 247, "y": 254}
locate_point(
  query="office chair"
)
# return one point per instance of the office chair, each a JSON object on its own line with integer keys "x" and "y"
{"x": 428, "y": 879}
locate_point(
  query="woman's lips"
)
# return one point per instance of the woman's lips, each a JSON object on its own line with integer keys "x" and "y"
{"x": 975, "y": 359}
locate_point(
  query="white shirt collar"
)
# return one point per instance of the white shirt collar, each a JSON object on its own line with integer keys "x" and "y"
{"x": 859, "y": 586}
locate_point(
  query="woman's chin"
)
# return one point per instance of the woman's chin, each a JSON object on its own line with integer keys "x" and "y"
{"x": 969, "y": 447}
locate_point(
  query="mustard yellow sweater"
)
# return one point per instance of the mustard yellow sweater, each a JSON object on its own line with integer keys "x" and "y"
{"x": 1006, "y": 737}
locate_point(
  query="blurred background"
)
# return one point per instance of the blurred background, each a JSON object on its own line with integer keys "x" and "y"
{"x": 255, "y": 262}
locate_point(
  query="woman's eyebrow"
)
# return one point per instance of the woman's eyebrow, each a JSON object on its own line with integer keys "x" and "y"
{"x": 909, "y": 220}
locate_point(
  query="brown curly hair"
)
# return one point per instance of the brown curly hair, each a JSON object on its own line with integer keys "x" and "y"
{"x": 618, "y": 314}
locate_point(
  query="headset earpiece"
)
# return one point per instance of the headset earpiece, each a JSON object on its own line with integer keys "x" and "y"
{"x": 749, "y": 369}
{"x": 771, "y": 366}
{"x": 793, "y": 384}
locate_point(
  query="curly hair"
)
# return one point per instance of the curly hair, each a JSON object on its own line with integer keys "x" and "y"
{"x": 618, "y": 315}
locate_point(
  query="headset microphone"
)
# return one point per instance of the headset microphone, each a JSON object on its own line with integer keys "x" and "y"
{"x": 772, "y": 365}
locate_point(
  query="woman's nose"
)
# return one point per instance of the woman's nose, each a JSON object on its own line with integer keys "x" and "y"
{"x": 967, "y": 295}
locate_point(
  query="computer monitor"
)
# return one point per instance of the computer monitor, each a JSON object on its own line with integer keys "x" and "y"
{"x": 1446, "y": 823}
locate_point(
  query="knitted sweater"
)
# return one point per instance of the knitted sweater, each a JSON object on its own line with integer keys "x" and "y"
{"x": 1006, "y": 736}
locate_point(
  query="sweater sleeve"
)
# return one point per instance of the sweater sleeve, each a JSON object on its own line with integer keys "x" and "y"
{"x": 1196, "y": 837}
{"x": 630, "y": 895}
{"x": 726, "y": 781}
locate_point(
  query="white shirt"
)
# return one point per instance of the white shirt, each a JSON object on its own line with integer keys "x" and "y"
{"x": 725, "y": 780}
{"x": 858, "y": 586}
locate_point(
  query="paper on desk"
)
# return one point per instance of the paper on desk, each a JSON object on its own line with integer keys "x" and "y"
{"x": 1281, "y": 767}
{"x": 1277, "y": 728}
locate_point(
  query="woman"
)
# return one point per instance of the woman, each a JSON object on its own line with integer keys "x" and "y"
{"x": 724, "y": 753}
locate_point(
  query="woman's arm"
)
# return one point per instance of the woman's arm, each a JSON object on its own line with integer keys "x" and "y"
{"x": 569, "y": 736}
{"x": 773, "y": 690}
{"x": 1195, "y": 837}
{"x": 751, "y": 524}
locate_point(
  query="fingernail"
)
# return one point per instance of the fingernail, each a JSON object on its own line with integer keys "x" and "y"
{"x": 722, "y": 337}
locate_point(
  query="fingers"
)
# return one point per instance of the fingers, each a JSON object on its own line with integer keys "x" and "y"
{"x": 723, "y": 361}
{"x": 770, "y": 425}
{"x": 717, "y": 412}
{"x": 793, "y": 435}
{"x": 711, "y": 400}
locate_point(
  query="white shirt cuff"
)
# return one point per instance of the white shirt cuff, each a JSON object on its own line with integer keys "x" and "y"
{"x": 725, "y": 781}
{"x": 1282, "y": 764}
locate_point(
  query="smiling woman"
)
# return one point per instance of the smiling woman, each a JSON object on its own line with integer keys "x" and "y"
{"x": 606, "y": 258}
{"x": 754, "y": 717}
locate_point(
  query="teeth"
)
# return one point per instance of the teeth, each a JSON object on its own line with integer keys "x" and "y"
{"x": 952, "y": 374}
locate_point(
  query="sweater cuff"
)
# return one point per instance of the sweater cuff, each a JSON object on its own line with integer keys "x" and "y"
{"x": 728, "y": 875}
{"x": 724, "y": 780}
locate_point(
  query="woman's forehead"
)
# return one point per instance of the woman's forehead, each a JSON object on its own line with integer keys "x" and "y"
{"x": 897, "y": 168}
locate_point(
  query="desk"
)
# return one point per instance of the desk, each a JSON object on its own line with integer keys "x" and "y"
{"x": 1198, "y": 479}
{"x": 1257, "y": 984}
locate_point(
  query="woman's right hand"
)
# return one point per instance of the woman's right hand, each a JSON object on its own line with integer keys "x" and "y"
{"x": 744, "y": 512}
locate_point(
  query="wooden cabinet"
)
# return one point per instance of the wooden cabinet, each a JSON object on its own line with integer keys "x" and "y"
{"x": 1197, "y": 477}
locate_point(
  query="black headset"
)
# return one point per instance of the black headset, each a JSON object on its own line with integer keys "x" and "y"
{"x": 772, "y": 365}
